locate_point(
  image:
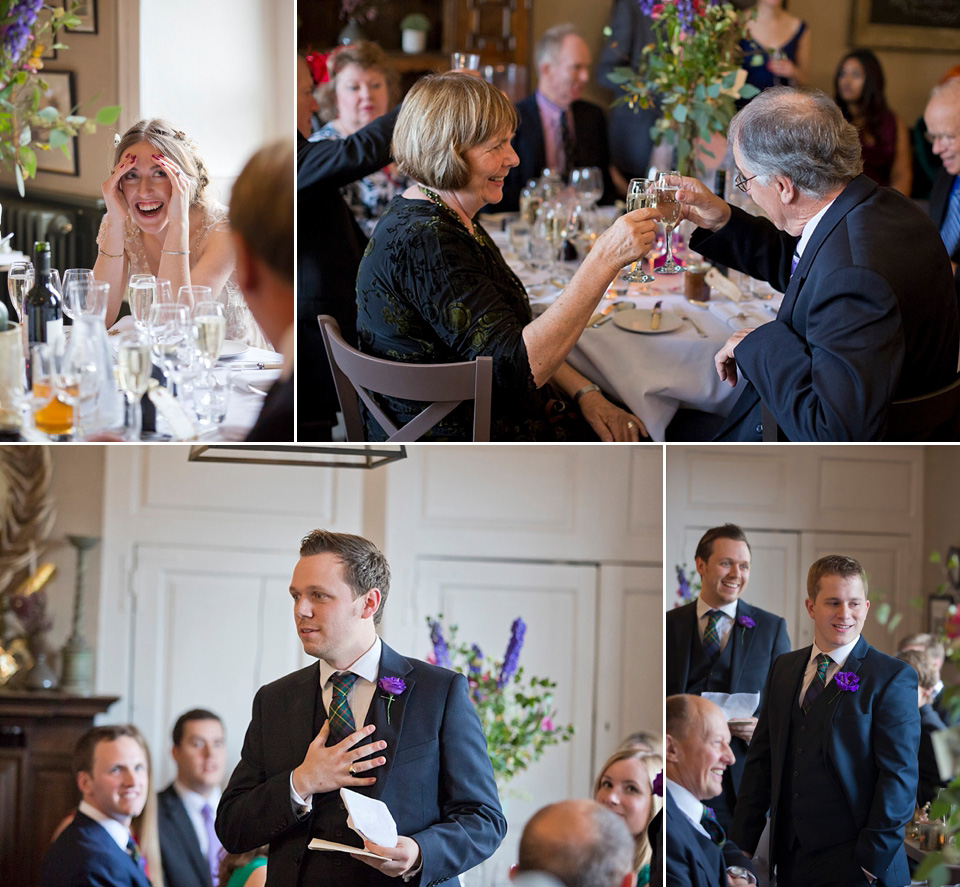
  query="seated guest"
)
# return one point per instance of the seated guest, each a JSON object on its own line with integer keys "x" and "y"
{"x": 625, "y": 786}
{"x": 942, "y": 116}
{"x": 580, "y": 843}
{"x": 697, "y": 752}
{"x": 160, "y": 220}
{"x": 433, "y": 288}
{"x": 362, "y": 86}
{"x": 329, "y": 247}
{"x": 928, "y": 677}
{"x": 97, "y": 847}
{"x": 188, "y": 806}
{"x": 244, "y": 869}
{"x": 851, "y": 336}
{"x": 776, "y": 50}
{"x": 926, "y": 164}
{"x": 557, "y": 128}
{"x": 858, "y": 88}
{"x": 929, "y": 644}
{"x": 261, "y": 220}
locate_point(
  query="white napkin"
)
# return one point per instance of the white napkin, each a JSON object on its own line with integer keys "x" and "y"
{"x": 739, "y": 317}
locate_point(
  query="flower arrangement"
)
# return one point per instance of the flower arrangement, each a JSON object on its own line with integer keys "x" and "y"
{"x": 25, "y": 35}
{"x": 516, "y": 714}
{"x": 688, "y": 585}
{"x": 692, "y": 72}
{"x": 358, "y": 10}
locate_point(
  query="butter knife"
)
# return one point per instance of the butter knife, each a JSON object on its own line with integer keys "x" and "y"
{"x": 598, "y": 319}
{"x": 655, "y": 316}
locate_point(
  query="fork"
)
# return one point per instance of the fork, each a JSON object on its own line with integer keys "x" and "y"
{"x": 678, "y": 310}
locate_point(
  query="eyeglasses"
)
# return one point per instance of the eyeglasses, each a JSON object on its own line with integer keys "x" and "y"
{"x": 946, "y": 138}
{"x": 741, "y": 182}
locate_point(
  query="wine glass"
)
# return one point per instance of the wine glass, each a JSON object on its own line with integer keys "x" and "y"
{"x": 85, "y": 296}
{"x": 640, "y": 195}
{"x": 167, "y": 328}
{"x": 669, "y": 209}
{"x": 19, "y": 281}
{"x": 141, "y": 295}
{"x": 587, "y": 182}
{"x": 133, "y": 375}
{"x": 70, "y": 277}
{"x": 190, "y": 296}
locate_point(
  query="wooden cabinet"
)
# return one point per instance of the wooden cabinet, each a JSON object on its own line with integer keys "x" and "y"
{"x": 37, "y": 787}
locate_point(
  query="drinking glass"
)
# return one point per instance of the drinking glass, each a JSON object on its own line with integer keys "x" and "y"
{"x": 189, "y": 296}
{"x": 70, "y": 277}
{"x": 640, "y": 195}
{"x": 587, "y": 182}
{"x": 86, "y": 296}
{"x": 468, "y": 62}
{"x": 133, "y": 375}
{"x": 211, "y": 398}
{"x": 141, "y": 296}
{"x": 52, "y": 414}
{"x": 165, "y": 292}
{"x": 210, "y": 320}
{"x": 79, "y": 372}
{"x": 167, "y": 327}
{"x": 19, "y": 281}
{"x": 669, "y": 209}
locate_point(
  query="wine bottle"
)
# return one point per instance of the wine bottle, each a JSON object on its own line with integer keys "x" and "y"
{"x": 43, "y": 304}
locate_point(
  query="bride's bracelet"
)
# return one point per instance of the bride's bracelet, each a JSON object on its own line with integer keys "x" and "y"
{"x": 109, "y": 255}
{"x": 176, "y": 252}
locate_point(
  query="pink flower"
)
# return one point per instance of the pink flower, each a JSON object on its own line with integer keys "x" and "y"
{"x": 657, "y": 10}
{"x": 547, "y": 725}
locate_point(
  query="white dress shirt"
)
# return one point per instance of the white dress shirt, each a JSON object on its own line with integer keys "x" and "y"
{"x": 194, "y": 803}
{"x": 839, "y": 656}
{"x": 117, "y": 830}
{"x": 724, "y": 624}
{"x": 810, "y": 227}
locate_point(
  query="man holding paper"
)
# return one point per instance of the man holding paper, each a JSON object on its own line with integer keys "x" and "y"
{"x": 721, "y": 644}
{"x": 420, "y": 751}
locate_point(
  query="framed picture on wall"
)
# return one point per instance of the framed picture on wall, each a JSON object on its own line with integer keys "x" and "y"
{"x": 59, "y": 95}
{"x": 87, "y": 13}
{"x": 938, "y": 607}
{"x": 927, "y": 25}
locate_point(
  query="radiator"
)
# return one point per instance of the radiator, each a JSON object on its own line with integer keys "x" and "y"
{"x": 70, "y": 224}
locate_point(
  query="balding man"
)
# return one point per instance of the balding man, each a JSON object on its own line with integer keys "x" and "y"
{"x": 699, "y": 854}
{"x": 942, "y": 117}
{"x": 580, "y": 843}
{"x": 851, "y": 335}
{"x": 557, "y": 128}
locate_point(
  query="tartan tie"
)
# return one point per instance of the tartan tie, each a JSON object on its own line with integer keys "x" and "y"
{"x": 566, "y": 142}
{"x": 341, "y": 718}
{"x": 818, "y": 683}
{"x": 950, "y": 230}
{"x": 709, "y": 821}
{"x": 711, "y": 636}
{"x": 133, "y": 851}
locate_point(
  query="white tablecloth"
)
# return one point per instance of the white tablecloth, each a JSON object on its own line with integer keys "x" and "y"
{"x": 655, "y": 375}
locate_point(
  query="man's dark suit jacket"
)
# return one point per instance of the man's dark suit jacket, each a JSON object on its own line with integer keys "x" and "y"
{"x": 183, "y": 863}
{"x": 693, "y": 860}
{"x": 275, "y": 422}
{"x": 591, "y": 149}
{"x": 86, "y": 856}
{"x": 438, "y": 781}
{"x": 330, "y": 245}
{"x": 752, "y": 653}
{"x": 871, "y": 753}
{"x": 939, "y": 199}
{"x": 869, "y": 317}
{"x": 930, "y": 781}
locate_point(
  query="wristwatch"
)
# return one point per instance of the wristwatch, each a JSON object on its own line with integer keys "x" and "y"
{"x": 740, "y": 872}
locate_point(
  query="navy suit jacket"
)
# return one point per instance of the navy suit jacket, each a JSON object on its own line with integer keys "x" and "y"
{"x": 590, "y": 127}
{"x": 871, "y": 752}
{"x": 693, "y": 860}
{"x": 86, "y": 856}
{"x": 751, "y": 657}
{"x": 438, "y": 780}
{"x": 851, "y": 335}
{"x": 930, "y": 781}
{"x": 183, "y": 863}
{"x": 939, "y": 199}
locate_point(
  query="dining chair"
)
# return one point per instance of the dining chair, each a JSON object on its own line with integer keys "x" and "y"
{"x": 929, "y": 417}
{"x": 444, "y": 385}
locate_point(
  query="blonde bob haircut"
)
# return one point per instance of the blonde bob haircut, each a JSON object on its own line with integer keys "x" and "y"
{"x": 443, "y": 117}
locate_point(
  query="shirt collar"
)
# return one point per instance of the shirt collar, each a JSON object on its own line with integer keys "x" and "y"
{"x": 727, "y": 609}
{"x": 194, "y": 801}
{"x": 689, "y": 805}
{"x": 839, "y": 655}
{"x": 810, "y": 227}
{"x": 117, "y": 830}
{"x": 366, "y": 666}
{"x": 549, "y": 107}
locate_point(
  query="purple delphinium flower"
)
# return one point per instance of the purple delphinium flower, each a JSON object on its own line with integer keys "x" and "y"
{"x": 394, "y": 687}
{"x": 684, "y": 590}
{"x": 440, "y": 650}
{"x": 646, "y": 6}
{"x": 476, "y": 660}
{"x": 658, "y": 784}
{"x": 847, "y": 680}
{"x": 511, "y": 658}
{"x": 17, "y": 34}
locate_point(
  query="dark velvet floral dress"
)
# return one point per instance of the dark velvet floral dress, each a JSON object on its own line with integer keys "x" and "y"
{"x": 430, "y": 292}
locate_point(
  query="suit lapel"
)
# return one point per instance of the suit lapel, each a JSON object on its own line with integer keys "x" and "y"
{"x": 742, "y": 640}
{"x": 781, "y": 707}
{"x": 389, "y": 724}
{"x": 688, "y": 631}
{"x": 303, "y": 702}
{"x": 853, "y": 664}
{"x": 186, "y": 834}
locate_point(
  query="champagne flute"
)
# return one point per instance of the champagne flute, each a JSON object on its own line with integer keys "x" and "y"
{"x": 669, "y": 208}
{"x": 133, "y": 374}
{"x": 211, "y": 323}
{"x": 71, "y": 277}
{"x": 141, "y": 294}
{"x": 640, "y": 195}
{"x": 19, "y": 281}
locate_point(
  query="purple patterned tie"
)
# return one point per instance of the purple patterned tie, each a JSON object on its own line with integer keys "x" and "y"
{"x": 213, "y": 845}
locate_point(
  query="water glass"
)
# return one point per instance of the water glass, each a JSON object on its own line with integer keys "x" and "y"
{"x": 86, "y": 296}
{"x": 52, "y": 414}
{"x": 211, "y": 399}
{"x": 70, "y": 277}
{"x": 189, "y": 296}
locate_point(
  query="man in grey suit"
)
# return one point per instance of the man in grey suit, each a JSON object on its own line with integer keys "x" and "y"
{"x": 721, "y": 644}
{"x": 187, "y": 807}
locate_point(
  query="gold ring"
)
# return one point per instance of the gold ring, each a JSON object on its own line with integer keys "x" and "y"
{"x": 351, "y": 771}
{"x": 631, "y": 425}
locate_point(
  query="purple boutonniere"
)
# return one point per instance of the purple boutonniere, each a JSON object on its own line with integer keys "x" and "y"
{"x": 658, "y": 784}
{"x": 393, "y": 687}
{"x": 847, "y": 681}
{"x": 745, "y": 622}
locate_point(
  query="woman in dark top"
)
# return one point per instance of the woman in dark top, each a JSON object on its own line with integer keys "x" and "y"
{"x": 884, "y": 140}
{"x": 433, "y": 288}
{"x": 776, "y": 50}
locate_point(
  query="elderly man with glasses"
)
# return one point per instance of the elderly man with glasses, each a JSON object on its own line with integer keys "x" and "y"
{"x": 869, "y": 313}
{"x": 942, "y": 117}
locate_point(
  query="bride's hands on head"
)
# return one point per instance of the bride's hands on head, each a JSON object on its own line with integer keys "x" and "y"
{"x": 112, "y": 195}
{"x": 180, "y": 188}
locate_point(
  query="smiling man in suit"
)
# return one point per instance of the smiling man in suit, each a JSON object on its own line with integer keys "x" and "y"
{"x": 367, "y": 719}
{"x": 834, "y": 756}
{"x": 942, "y": 117}
{"x": 850, "y": 336}
{"x": 97, "y": 846}
{"x": 186, "y": 808}
{"x": 721, "y": 644}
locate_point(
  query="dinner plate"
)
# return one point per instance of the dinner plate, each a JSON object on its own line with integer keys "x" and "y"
{"x": 232, "y": 348}
{"x": 637, "y": 320}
